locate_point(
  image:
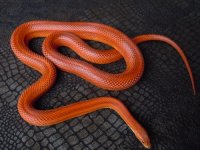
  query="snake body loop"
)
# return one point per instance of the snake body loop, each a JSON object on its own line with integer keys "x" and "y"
{"x": 71, "y": 34}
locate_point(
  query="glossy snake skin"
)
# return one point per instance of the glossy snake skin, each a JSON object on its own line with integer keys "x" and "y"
{"x": 70, "y": 34}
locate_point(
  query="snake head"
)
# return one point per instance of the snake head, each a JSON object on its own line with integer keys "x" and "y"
{"x": 146, "y": 143}
{"x": 143, "y": 137}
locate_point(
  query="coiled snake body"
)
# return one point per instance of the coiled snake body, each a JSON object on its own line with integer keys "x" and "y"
{"x": 70, "y": 34}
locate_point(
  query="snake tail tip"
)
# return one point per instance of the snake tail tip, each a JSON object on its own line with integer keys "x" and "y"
{"x": 194, "y": 92}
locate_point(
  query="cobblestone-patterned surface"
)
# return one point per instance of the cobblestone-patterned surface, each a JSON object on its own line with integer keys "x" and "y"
{"x": 162, "y": 101}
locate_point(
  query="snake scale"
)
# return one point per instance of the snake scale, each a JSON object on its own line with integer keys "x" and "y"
{"x": 72, "y": 34}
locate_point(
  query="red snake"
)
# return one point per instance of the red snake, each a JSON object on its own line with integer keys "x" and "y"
{"x": 70, "y": 34}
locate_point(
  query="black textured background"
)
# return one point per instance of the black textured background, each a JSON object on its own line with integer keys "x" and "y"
{"x": 162, "y": 100}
